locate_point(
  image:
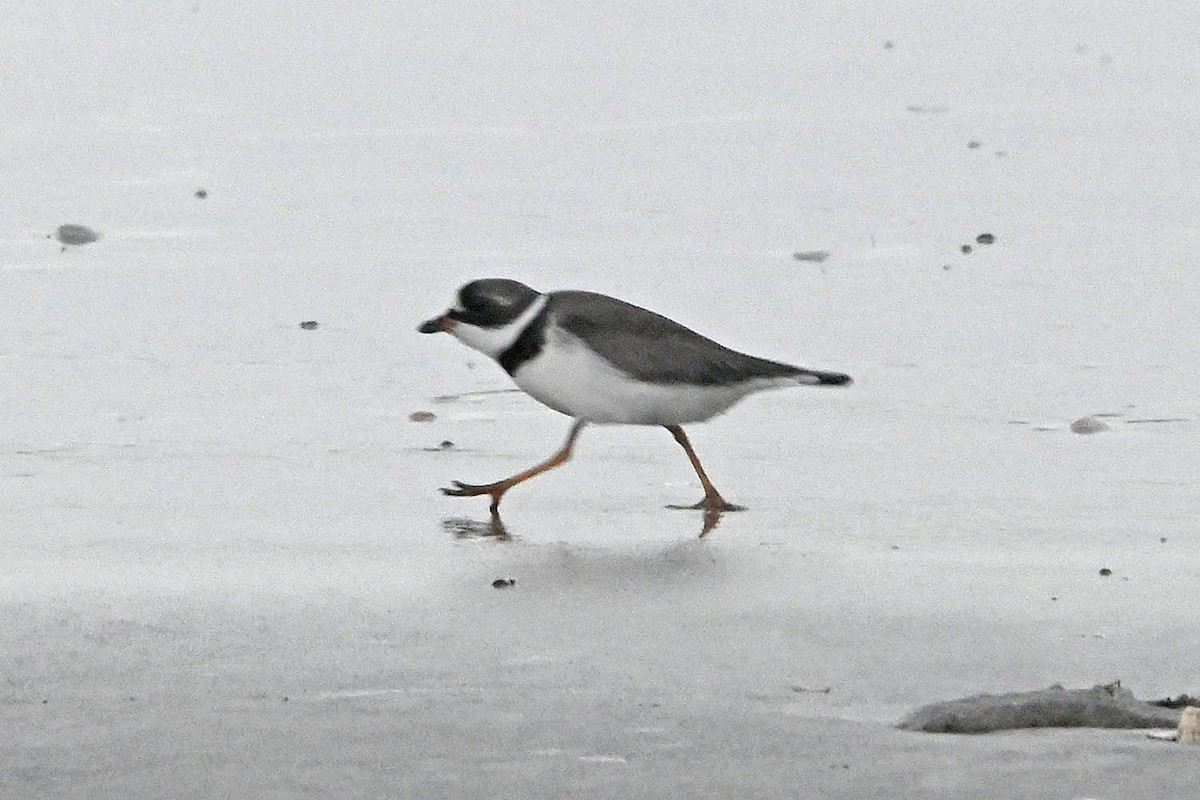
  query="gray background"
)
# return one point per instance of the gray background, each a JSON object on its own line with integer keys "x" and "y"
{"x": 225, "y": 569}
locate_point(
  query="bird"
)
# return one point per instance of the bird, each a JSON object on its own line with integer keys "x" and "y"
{"x": 601, "y": 360}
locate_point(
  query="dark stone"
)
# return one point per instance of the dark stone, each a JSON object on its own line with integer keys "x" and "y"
{"x": 1109, "y": 706}
{"x": 75, "y": 234}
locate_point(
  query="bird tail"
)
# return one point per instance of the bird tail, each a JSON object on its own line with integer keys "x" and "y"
{"x": 813, "y": 377}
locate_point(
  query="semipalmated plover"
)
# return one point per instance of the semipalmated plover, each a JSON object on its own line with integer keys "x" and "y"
{"x": 599, "y": 359}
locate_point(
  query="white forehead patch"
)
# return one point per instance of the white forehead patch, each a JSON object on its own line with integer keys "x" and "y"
{"x": 494, "y": 341}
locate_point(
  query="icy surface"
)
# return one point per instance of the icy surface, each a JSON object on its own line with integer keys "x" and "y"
{"x": 225, "y": 568}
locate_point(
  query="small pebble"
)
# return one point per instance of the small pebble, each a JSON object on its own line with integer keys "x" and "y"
{"x": 422, "y": 416}
{"x": 889, "y": 44}
{"x": 974, "y": 145}
{"x": 1162, "y": 540}
{"x": 74, "y": 234}
{"x": 811, "y": 255}
{"x": 966, "y": 248}
{"x": 310, "y": 325}
{"x": 502, "y": 583}
{"x": 1088, "y": 425}
{"x": 985, "y": 238}
{"x": 201, "y": 194}
{"x": 445, "y": 444}
{"x": 1105, "y": 571}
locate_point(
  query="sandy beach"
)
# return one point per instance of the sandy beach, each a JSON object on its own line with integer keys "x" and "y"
{"x": 226, "y": 569}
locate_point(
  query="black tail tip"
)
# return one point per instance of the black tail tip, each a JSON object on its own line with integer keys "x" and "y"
{"x": 834, "y": 379}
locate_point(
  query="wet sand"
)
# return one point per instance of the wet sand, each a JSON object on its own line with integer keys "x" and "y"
{"x": 363, "y": 650}
{"x": 226, "y": 569}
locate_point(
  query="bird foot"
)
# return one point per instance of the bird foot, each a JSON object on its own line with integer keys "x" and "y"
{"x": 713, "y": 508}
{"x": 470, "y": 489}
{"x": 710, "y": 504}
{"x": 496, "y": 490}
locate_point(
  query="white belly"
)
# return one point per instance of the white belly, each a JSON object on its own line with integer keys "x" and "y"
{"x": 570, "y": 378}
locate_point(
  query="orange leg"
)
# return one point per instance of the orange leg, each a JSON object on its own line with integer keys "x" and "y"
{"x": 712, "y": 498}
{"x": 497, "y": 489}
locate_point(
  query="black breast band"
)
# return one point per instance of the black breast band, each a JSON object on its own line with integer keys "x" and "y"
{"x": 528, "y": 344}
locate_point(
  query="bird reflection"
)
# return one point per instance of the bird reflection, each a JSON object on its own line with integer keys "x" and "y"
{"x": 494, "y": 527}
{"x": 467, "y": 528}
{"x": 712, "y": 517}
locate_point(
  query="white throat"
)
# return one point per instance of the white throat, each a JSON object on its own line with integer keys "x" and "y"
{"x": 494, "y": 341}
